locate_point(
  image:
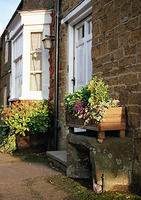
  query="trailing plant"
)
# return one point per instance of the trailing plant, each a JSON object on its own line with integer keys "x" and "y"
{"x": 90, "y": 102}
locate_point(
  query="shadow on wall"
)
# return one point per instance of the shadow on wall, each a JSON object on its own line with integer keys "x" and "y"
{"x": 136, "y": 174}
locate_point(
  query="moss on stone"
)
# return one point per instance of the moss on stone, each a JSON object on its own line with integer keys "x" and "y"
{"x": 79, "y": 192}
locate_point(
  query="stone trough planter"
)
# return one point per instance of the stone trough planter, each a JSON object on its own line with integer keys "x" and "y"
{"x": 114, "y": 119}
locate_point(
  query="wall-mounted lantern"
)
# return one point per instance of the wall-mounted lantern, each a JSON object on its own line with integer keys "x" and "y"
{"x": 48, "y": 41}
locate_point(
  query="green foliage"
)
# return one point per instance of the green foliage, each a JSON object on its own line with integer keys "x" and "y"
{"x": 99, "y": 91}
{"x": 96, "y": 110}
{"x": 23, "y": 117}
{"x": 90, "y": 102}
{"x": 20, "y": 118}
{"x": 82, "y": 95}
{"x": 8, "y": 144}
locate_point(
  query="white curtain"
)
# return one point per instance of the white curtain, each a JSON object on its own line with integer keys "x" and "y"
{"x": 36, "y": 62}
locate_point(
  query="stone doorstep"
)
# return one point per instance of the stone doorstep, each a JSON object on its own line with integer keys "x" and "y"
{"x": 58, "y": 159}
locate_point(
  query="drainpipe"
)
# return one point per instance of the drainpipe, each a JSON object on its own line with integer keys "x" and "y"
{"x": 56, "y": 74}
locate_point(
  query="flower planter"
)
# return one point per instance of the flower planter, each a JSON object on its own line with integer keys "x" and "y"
{"x": 114, "y": 119}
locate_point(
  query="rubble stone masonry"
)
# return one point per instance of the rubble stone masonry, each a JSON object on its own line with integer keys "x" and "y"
{"x": 116, "y": 56}
{"x": 116, "y": 53}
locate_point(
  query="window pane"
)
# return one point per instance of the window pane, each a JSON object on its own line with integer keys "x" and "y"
{"x": 6, "y": 52}
{"x": 36, "y": 41}
{"x": 18, "y": 78}
{"x": 5, "y": 97}
{"x": 36, "y": 61}
{"x": 81, "y": 32}
{"x": 89, "y": 61}
{"x": 17, "y": 47}
{"x": 35, "y": 82}
{"x": 81, "y": 69}
{"x": 83, "y": 61}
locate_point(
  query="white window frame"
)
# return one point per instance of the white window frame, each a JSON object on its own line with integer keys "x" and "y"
{"x": 77, "y": 15}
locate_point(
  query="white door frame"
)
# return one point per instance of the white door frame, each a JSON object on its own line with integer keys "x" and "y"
{"x": 74, "y": 17}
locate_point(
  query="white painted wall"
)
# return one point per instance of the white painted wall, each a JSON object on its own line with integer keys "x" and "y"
{"x": 35, "y": 17}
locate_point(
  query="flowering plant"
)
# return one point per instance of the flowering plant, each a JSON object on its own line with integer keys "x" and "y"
{"x": 80, "y": 95}
{"x": 91, "y": 102}
{"x": 24, "y": 117}
{"x": 79, "y": 107}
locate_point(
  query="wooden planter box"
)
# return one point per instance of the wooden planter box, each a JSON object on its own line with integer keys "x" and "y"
{"x": 114, "y": 119}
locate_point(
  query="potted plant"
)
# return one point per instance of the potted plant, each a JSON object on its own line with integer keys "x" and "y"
{"x": 26, "y": 123}
{"x": 92, "y": 108}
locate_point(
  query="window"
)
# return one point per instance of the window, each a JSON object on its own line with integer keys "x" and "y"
{"x": 36, "y": 62}
{"x": 81, "y": 32}
{"x": 5, "y": 97}
{"x": 17, "y": 59}
{"x": 18, "y": 78}
{"x": 6, "y": 49}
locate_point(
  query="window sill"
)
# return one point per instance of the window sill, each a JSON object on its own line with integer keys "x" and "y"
{"x": 13, "y": 99}
{"x": 20, "y": 99}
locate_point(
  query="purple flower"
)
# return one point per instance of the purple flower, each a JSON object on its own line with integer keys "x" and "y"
{"x": 79, "y": 107}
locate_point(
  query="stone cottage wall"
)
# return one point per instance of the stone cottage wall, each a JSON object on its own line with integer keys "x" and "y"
{"x": 116, "y": 52}
{"x": 37, "y": 4}
{"x": 116, "y": 56}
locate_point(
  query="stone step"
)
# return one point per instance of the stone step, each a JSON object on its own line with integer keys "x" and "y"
{"x": 57, "y": 159}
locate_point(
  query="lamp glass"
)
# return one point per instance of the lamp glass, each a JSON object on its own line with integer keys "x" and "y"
{"x": 47, "y": 43}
